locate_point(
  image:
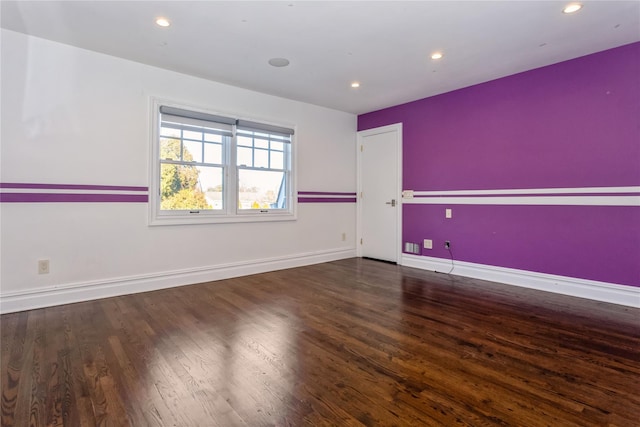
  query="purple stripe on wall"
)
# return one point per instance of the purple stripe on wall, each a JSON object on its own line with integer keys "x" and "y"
{"x": 444, "y": 196}
{"x": 323, "y": 193}
{"x": 72, "y": 197}
{"x": 70, "y": 187}
{"x": 326, "y": 200}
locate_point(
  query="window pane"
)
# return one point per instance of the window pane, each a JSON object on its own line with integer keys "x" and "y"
{"x": 244, "y": 156}
{"x": 189, "y": 134}
{"x": 246, "y": 141}
{"x": 260, "y": 189}
{"x": 170, "y": 132}
{"x": 261, "y": 143}
{"x": 213, "y": 153}
{"x": 211, "y": 181}
{"x": 277, "y": 160}
{"x": 170, "y": 149}
{"x": 192, "y": 151}
{"x": 210, "y": 137}
{"x": 275, "y": 145}
{"x": 187, "y": 187}
{"x": 261, "y": 159}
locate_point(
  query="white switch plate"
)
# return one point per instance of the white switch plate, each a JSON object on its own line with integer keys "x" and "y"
{"x": 447, "y": 213}
{"x": 428, "y": 244}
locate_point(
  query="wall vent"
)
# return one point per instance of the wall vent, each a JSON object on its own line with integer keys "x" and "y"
{"x": 412, "y": 248}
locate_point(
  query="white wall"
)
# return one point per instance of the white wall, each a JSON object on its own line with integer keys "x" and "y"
{"x": 72, "y": 116}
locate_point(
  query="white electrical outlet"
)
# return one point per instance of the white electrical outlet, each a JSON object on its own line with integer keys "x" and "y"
{"x": 43, "y": 266}
{"x": 428, "y": 244}
{"x": 447, "y": 213}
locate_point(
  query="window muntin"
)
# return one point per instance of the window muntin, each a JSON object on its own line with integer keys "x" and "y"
{"x": 192, "y": 165}
{"x": 210, "y": 168}
{"x": 262, "y": 162}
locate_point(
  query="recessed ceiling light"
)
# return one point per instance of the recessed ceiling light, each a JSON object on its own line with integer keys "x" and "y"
{"x": 436, "y": 55}
{"x": 355, "y": 84}
{"x": 279, "y": 62}
{"x": 572, "y": 8}
{"x": 163, "y": 22}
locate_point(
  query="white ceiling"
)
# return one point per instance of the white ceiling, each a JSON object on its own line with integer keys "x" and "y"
{"x": 385, "y": 45}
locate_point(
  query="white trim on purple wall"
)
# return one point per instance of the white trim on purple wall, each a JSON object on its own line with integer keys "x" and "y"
{"x": 530, "y": 200}
{"x": 579, "y": 196}
{"x": 521, "y": 191}
{"x": 582, "y": 288}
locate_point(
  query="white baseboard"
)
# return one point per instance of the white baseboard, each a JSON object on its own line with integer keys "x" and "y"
{"x": 582, "y": 288}
{"x": 78, "y": 292}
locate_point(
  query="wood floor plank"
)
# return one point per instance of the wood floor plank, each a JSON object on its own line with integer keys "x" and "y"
{"x": 351, "y": 343}
{"x": 54, "y": 344}
{"x": 39, "y": 371}
{"x": 9, "y": 327}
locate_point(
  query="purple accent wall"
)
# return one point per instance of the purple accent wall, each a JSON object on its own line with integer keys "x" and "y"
{"x": 572, "y": 124}
{"x": 585, "y": 242}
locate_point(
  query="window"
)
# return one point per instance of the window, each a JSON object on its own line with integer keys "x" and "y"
{"x": 212, "y": 168}
{"x": 262, "y": 160}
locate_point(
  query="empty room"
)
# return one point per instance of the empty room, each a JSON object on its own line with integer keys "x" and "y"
{"x": 320, "y": 213}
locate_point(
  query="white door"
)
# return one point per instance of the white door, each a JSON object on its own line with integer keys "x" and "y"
{"x": 379, "y": 191}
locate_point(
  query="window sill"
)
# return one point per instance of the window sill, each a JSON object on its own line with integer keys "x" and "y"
{"x": 194, "y": 219}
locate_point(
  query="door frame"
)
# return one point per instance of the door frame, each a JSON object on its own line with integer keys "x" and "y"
{"x": 397, "y": 128}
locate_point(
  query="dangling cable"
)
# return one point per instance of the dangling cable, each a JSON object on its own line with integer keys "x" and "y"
{"x": 451, "y": 254}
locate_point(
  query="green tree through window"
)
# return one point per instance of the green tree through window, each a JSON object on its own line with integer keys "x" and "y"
{"x": 179, "y": 183}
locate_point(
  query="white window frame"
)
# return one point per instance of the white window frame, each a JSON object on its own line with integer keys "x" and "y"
{"x": 231, "y": 212}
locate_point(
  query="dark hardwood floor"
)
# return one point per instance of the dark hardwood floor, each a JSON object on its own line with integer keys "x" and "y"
{"x": 352, "y": 342}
